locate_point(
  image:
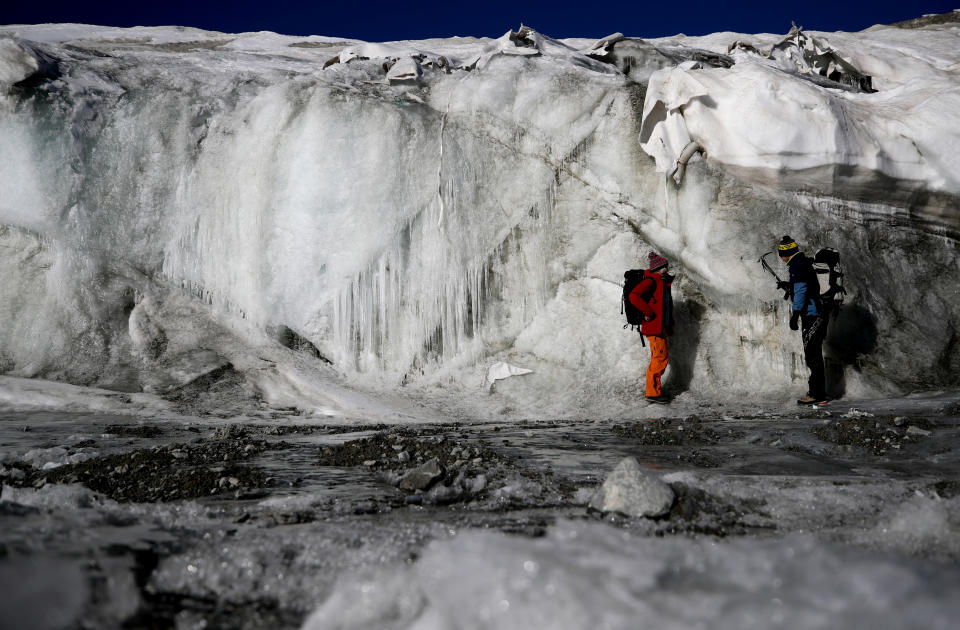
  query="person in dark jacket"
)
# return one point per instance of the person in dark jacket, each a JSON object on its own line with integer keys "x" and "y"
{"x": 804, "y": 288}
{"x": 652, "y": 297}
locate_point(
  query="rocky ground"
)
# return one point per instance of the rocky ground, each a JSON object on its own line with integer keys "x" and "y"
{"x": 222, "y": 523}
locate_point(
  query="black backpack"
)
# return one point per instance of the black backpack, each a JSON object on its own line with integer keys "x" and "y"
{"x": 830, "y": 278}
{"x": 631, "y": 278}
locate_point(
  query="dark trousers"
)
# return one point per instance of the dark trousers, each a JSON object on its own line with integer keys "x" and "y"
{"x": 814, "y": 331}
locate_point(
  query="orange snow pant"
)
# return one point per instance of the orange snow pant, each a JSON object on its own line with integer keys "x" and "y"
{"x": 658, "y": 364}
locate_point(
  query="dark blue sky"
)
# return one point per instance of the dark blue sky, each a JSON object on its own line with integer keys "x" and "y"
{"x": 376, "y": 20}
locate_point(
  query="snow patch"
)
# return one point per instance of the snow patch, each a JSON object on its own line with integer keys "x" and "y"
{"x": 501, "y": 370}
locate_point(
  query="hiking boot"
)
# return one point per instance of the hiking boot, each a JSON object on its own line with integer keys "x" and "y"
{"x": 660, "y": 400}
{"x": 810, "y": 400}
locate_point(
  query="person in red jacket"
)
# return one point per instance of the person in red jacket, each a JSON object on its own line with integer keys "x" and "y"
{"x": 652, "y": 298}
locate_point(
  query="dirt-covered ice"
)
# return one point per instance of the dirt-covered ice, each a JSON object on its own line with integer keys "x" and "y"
{"x": 804, "y": 518}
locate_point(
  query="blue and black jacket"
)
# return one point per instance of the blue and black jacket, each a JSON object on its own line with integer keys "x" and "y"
{"x": 804, "y": 285}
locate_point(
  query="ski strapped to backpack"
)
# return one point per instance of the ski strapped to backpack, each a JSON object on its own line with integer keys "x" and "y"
{"x": 830, "y": 278}
{"x": 631, "y": 278}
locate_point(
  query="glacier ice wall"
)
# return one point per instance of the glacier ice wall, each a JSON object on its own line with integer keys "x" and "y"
{"x": 175, "y": 199}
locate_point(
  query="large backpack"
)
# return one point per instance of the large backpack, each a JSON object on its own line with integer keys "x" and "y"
{"x": 830, "y": 278}
{"x": 631, "y": 278}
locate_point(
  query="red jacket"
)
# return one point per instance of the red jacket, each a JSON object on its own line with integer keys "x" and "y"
{"x": 648, "y": 297}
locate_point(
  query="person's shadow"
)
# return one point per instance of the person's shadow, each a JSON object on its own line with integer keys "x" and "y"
{"x": 852, "y": 334}
{"x": 687, "y": 318}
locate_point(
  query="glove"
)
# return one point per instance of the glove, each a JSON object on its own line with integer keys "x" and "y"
{"x": 795, "y": 321}
{"x": 783, "y": 285}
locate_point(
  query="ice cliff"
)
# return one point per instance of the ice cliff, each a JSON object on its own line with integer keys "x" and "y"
{"x": 405, "y": 215}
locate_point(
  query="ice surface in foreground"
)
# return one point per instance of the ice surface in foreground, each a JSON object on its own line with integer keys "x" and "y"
{"x": 812, "y": 534}
{"x": 177, "y": 201}
{"x": 580, "y": 577}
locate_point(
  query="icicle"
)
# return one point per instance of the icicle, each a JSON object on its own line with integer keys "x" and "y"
{"x": 666, "y": 199}
{"x": 688, "y": 152}
{"x": 443, "y": 124}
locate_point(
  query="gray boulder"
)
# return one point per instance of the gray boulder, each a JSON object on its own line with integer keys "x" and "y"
{"x": 422, "y": 477}
{"x": 634, "y": 491}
